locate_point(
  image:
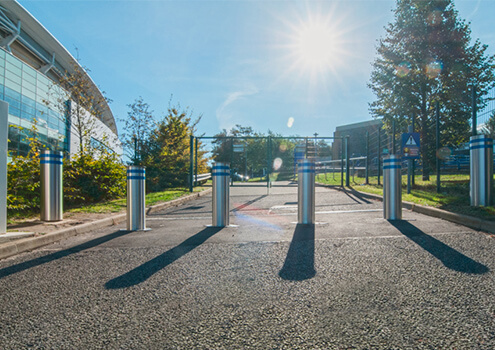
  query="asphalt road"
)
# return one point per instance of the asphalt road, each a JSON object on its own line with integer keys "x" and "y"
{"x": 352, "y": 281}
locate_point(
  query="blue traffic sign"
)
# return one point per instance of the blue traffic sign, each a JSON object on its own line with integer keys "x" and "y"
{"x": 410, "y": 145}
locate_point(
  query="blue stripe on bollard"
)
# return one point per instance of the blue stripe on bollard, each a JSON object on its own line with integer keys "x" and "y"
{"x": 138, "y": 171}
{"x": 392, "y": 167}
{"x": 485, "y": 139}
{"x": 136, "y": 178}
{"x": 220, "y": 174}
{"x": 45, "y": 155}
{"x": 220, "y": 167}
{"x": 306, "y": 171}
{"x": 395, "y": 160}
{"x": 481, "y": 146}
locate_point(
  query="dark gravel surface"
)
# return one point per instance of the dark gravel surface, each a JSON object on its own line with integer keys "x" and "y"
{"x": 419, "y": 284}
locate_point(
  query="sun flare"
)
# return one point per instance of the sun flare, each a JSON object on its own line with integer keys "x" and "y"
{"x": 315, "y": 46}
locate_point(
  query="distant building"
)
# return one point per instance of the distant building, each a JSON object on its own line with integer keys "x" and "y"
{"x": 32, "y": 62}
{"x": 357, "y": 137}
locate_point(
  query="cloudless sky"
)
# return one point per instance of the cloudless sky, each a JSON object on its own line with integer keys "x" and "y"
{"x": 237, "y": 62}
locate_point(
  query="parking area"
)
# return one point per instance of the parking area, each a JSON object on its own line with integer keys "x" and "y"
{"x": 353, "y": 280}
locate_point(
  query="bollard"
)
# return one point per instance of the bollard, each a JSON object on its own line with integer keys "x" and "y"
{"x": 392, "y": 187}
{"x": 306, "y": 192}
{"x": 220, "y": 173}
{"x": 136, "y": 216}
{"x": 51, "y": 164}
{"x": 481, "y": 170}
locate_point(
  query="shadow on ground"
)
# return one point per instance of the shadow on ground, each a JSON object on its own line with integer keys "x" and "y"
{"x": 299, "y": 264}
{"x": 450, "y": 257}
{"x": 60, "y": 254}
{"x": 149, "y": 268}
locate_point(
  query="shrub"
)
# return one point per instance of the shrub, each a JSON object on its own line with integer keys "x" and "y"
{"x": 87, "y": 179}
{"x": 90, "y": 180}
{"x": 23, "y": 181}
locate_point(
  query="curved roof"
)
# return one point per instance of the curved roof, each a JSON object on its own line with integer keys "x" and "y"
{"x": 33, "y": 36}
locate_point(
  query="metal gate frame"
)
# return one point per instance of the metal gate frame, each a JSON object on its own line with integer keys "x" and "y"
{"x": 193, "y": 153}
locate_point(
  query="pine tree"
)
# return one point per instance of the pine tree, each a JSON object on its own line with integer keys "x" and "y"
{"x": 427, "y": 56}
{"x": 166, "y": 154}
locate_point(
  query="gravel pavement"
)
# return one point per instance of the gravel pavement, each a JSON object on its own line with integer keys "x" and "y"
{"x": 352, "y": 281}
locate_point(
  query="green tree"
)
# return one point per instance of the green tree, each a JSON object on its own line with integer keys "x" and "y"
{"x": 137, "y": 128}
{"x": 167, "y": 152}
{"x": 81, "y": 102}
{"x": 281, "y": 151}
{"x": 427, "y": 56}
{"x": 255, "y": 149}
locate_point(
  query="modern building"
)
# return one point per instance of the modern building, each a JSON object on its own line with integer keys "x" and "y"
{"x": 32, "y": 64}
{"x": 357, "y": 134}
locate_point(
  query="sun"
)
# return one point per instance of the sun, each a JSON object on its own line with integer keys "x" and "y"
{"x": 316, "y": 46}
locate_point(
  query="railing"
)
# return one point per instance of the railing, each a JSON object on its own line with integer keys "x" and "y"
{"x": 357, "y": 165}
{"x": 202, "y": 178}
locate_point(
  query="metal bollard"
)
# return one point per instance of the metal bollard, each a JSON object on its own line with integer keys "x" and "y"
{"x": 306, "y": 192}
{"x": 481, "y": 170}
{"x": 136, "y": 216}
{"x": 392, "y": 187}
{"x": 52, "y": 194}
{"x": 220, "y": 173}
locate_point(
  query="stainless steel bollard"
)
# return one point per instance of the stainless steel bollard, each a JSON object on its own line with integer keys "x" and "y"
{"x": 52, "y": 194}
{"x": 220, "y": 173}
{"x": 392, "y": 187}
{"x": 306, "y": 192}
{"x": 136, "y": 215}
{"x": 481, "y": 170}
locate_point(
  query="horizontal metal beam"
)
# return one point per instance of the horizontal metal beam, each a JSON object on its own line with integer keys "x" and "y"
{"x": 272, "y": 137}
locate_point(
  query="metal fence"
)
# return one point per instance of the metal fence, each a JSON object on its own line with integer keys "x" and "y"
{"x": 450, "y": 162}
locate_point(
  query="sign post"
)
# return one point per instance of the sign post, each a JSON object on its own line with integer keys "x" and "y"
{"x": 410, "y": 150}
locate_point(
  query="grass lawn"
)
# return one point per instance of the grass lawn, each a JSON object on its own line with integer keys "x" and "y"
{"x": 120, "y": 204}
{"x": 113, "y": 206}
{"x": 454, "y": 194}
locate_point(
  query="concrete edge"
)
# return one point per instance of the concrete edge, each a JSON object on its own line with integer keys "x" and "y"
{"x": 28, "y": 244}
{"x": 465, "y": 220}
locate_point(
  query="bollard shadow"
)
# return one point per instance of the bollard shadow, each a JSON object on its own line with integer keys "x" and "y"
{"x": 450, "y": 257}
{"x": 7, "y": 271}
{"x": 354, "y": 195}
{"x": 299, "y": 264}
{"x": 149, "y": 268}
{"x": 247, "y": 204}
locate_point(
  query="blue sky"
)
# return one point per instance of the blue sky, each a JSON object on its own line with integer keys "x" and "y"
{"x": 236, "y": 62}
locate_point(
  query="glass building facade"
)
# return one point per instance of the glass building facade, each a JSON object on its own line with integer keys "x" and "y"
{"x": 29, "y": 94}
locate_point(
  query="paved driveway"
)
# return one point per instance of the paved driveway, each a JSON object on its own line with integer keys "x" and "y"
{"x": 354, "y": 280}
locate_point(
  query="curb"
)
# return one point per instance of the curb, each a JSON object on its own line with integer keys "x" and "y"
{"x": 28, "y": 244}
{"x": 465, "y": 220}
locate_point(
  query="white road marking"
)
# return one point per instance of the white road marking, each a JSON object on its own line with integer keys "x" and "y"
{"x": 268, "y": 214}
